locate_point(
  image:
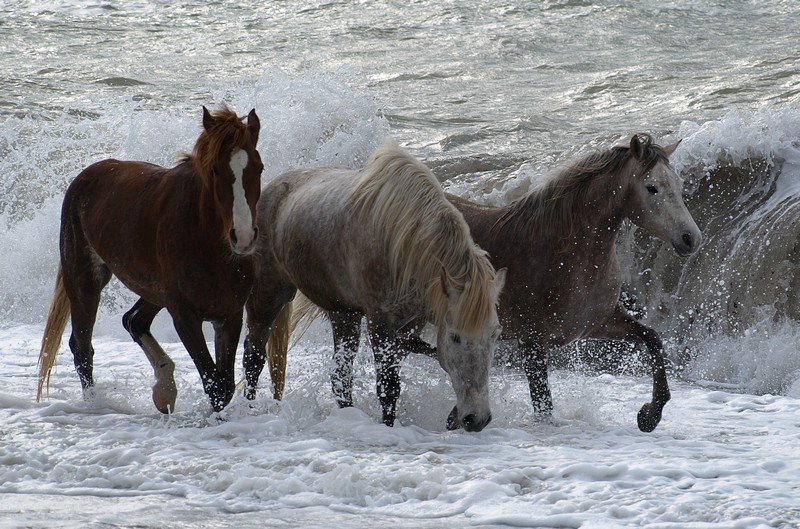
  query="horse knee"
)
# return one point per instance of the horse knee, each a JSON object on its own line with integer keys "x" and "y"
{"x": 133, "y": 325}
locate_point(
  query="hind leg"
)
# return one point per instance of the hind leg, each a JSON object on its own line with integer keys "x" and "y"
{"x": 622, "y": 326}
{"x": 84, "y": 314}
{"x": 190, "y": 329}
{"x": 387, "y": 365}
{"x": 346, "y": 332}
{"x": 137, "y": 322}
{"x": 84, "y": 278}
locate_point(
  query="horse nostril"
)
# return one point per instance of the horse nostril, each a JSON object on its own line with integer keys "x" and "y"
{"x": 687, "y": 240}
{"x": 232, "y": 235}
{"x": 255, "y": 233}
{"x": 468, "y": 422}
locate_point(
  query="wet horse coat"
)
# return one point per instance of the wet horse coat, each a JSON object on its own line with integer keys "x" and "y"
{"x": 181, "y": 238}
{"x": 385, "y": 243}
{"x": 559, "y": 246}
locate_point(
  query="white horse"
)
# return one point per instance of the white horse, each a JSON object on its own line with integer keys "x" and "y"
{"x": 382, "y": 242}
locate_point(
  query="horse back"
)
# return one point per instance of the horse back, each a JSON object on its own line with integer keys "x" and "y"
{"x": 307, "y": 238}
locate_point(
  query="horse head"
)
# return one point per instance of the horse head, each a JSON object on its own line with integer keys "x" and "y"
{"x": 466, "y": 353}
{"x": 232, "y": 173}
{"x": 654, "y": 200}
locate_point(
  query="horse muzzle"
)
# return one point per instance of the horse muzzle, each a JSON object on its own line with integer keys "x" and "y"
{"x": 471, "y": 422}
{"x": 688, "y": 243}
{"x": 243, "y": 242}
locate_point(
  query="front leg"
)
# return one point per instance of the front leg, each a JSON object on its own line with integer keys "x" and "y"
{"x": 269, "y": 310}
{"x": 622, "y": 326}
{"x": 226, "y": 338}
{"x": 414, "y": 344}
{"x": 387, "y": 366}
{"x": 534, "y": 363}
{"x": 346, "y": 333}
{"x": 137, "y": 322}
{"x": 190, "y": 329}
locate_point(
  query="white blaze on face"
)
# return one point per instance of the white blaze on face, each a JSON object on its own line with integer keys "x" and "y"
{"x": 242, "y": 218}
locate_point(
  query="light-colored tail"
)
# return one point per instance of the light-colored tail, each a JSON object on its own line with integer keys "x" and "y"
{"x": 277, "y": 348}
{"x": 304, "y": 312}
{"x": 56, "y": 321}
{"x": 299, "y": 314}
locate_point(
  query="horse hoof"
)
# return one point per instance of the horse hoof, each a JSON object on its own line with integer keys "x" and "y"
{"x": 89, "y": 394}
{"x": 543, "y": 408}
{"x": 452, "y": 420}
{"x": 648, "y": 418}
{"x": 164, "y": 399}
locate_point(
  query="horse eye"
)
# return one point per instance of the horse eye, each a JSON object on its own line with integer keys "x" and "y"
{"x": 455, "y": 338}
{"x": 652, "y": 189}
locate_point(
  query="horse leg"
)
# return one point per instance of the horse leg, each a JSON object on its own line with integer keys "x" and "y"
{"x": 346, "y": 332}
{"x": 414, "y": 344}
{"x": 85, "y": 275}
{"x": 84, "y": 315}
{"x": 534, "y": 363}
{"x": 255, "y": 354}
{"x": 226, "y": 337}
{"x": 137, "y": 322}
{"x": 387, "y": 365}
{"x": 190, "y": 329}
{"x": 263, "y": 307}
{"x": 622, "y": 326}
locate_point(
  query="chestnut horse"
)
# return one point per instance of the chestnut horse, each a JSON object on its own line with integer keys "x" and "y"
{"x": 382, "y": 242}
{"x": 559, "y": 245}
{"x": 180, "y": 238}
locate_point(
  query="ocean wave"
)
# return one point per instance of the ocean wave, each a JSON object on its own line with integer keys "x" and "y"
{"x": 307, "y": 120}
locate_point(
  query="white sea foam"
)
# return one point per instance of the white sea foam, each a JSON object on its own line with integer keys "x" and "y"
{"x": 306, "y": 121}
{"x": 718, "y": 459}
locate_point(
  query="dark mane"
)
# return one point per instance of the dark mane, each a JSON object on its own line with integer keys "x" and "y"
{"x": 226, "y": 132}
{"x": 567, "y": 197}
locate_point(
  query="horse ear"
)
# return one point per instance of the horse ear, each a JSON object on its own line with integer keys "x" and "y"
{"x": 499, "y": 282}
{"x": 636, "y": 146}
{"x": 254, "y": 124}
{"x": 208, "y": 119}
{"x": 669, "y": 149}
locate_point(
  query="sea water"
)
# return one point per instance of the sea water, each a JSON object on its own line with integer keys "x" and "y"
{"x": 492, "y": 95}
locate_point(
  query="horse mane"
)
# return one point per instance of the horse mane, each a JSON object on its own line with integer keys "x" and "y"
{"x": 565, "y": 197}
{"x": 428, "y": 240}
{"x": 226, "y": 130}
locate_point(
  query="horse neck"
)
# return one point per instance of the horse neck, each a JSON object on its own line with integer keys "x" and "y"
{"x": 546, "y": 216}
{"x": 199, "y": 190}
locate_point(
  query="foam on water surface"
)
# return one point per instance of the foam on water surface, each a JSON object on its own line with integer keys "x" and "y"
{"x": 718, "y": 459}
{"x": 510, "y": 92}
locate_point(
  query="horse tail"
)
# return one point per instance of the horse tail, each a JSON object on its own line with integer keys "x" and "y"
{"x": 298, "y": 314}
{"x": 304, "y": 313}
{"x": 56, "y": 322}
{"x": 277, "y": 348}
